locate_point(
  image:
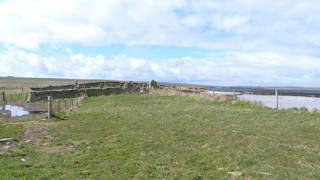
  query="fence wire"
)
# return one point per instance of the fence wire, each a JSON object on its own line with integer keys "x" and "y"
{"x": 307, "y": 101}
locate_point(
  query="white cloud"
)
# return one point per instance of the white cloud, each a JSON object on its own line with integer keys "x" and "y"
{"x": 233, "y": 68}
{"x": 288, "y": 25}
{"x": 69, "y": 51}
{"x": 275, "y": 42}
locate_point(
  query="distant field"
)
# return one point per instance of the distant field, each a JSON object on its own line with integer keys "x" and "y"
{"x": 142, "y": 136}
{"x": 16, "y": 83}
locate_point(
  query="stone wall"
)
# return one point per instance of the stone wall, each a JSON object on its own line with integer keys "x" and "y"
{"x": 91, "y": 85}
{"x": 43, "y": 95}
{"x": 82, "y": 85}
{"x": 52, "y": 88}
{"x": 68, "y": 91}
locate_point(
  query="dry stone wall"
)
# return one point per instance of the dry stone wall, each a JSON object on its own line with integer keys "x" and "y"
{"x": 91, "y": 85}
{"x": 83, "y": 85}
{"x": 43, "y": 95}
{"x": 68, "y": 91}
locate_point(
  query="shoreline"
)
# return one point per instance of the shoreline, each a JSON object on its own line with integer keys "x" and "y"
{"x": 284, "y": 101}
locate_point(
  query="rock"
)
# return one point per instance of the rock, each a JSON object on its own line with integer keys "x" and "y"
{"x": 265, "y": 173}
{"x": 153, "y": 86}
{"x": 28, "y": 141}
{"x": 128, "y": 84}
{"x": 8, "y": 139}
{"x": 6, "y": 147}
{"x": 23, "y": 160}
{"x": 235, "y": 173}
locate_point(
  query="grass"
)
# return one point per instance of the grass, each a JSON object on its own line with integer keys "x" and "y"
{"x": 10, "y": 130}
{"x": 13, "y": 85}
{"x": 142, "y": 136}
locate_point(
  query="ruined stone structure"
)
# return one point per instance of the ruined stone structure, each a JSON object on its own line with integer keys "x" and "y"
{"x": 97, "y": 89}
{"x": 43, "y": 95}
{"x": 69, "y": 91}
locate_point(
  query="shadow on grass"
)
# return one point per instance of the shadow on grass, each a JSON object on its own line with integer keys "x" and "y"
{"x": 59, "y": 116}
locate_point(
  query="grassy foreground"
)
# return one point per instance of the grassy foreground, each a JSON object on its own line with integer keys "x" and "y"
{"x": 141, "y": 136}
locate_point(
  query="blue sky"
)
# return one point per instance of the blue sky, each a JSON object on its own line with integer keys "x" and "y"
{"x": 231, "y": 42}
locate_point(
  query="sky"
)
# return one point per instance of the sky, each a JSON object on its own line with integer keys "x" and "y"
{"x": 212, "y": 42}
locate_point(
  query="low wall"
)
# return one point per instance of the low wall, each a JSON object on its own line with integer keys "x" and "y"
{"x": 52, "y": 88}
{"x": 43, "y": 95}
{"x": 82, "y": 85}
{"x": 91, "y": 85}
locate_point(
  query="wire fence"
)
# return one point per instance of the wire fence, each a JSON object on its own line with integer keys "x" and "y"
{"x": 57, "y": 104}
{"x": 276, "y": 99}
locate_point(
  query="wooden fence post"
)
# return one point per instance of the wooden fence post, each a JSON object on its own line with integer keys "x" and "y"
{"x": 26, "y": 97}
{"x": 71, "y": 101}
{"x": 49, "y": 107}
{"x": 65, "y": 104}
{"x": 3, "y": 96}
{"x": 277, "y": 100}
{"x": 58, "y": 105}
{"x": 234, "y": 94}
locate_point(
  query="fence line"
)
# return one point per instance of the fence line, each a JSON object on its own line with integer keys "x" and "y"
{"x": 277, "y": 100}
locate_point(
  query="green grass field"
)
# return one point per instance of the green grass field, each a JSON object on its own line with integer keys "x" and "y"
{"x": 142, "y": 136}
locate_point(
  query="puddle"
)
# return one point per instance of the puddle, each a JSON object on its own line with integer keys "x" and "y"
{"x": 12, "y": 111}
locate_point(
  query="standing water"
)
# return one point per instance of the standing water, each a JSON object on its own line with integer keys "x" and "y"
{"x": 13, "y": 110}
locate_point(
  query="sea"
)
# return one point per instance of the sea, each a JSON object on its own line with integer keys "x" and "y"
{"x": 287, "y": 98}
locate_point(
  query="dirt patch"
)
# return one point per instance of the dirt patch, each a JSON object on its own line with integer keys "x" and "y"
{"x": 4, "y": 148}
{"x": 35, "y": 131}
{"x": 36, "y": 135}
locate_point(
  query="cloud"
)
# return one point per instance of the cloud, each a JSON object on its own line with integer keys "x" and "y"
{"x": 262, "y": 43}
{"x": 284, "y": 26}
{"x": 230, "y": 68}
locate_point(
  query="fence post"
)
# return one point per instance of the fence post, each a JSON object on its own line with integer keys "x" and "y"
{"x": 65, "y": 104}
{"x": 3, "y": 96}
{"x": 72, "y": 102}
{"x": 213, "y": 92}
{"x": 58, "y": 105}
{"x": 26, "y": 97}
{"x": 277, "y": 100}
{"x": 234, "y": 94}
{"x": 49, "y": 107}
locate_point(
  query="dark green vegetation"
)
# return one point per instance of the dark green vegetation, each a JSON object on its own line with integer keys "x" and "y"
{"x": 141, "y": 136}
